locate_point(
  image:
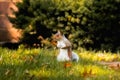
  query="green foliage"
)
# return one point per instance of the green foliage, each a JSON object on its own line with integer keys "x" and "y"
{"x": 41, "y": 64}
{"x": 105, "y": 17}
{"x": 43, "y": 17}
{"x": 87, "y": 23}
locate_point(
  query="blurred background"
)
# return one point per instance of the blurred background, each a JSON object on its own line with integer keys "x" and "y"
{"x": 89, "y": 24}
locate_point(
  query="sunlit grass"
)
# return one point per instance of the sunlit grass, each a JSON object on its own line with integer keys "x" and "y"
{"x": 41, "y": 64}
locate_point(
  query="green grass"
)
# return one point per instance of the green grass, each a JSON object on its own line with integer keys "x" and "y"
{"x": 41, "y": 64}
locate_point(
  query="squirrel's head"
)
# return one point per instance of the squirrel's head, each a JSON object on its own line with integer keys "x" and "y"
{"x": 58, "y": 36}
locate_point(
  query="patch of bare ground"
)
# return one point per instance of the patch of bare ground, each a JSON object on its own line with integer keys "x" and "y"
{"x": 112, "y": 65}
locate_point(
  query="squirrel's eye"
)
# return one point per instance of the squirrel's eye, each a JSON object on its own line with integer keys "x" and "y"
{"x": 57, "y": 35}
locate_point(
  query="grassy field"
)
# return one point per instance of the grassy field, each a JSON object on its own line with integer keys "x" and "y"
{"x": 41, "y": 64}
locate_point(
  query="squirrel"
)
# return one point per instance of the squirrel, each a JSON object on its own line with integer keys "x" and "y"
{"x": 65, "y": 48}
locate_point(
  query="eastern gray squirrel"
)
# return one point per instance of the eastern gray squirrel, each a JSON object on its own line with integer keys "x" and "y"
{"x": 65, "y": 48}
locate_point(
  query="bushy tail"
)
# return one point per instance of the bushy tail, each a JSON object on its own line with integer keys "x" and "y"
{"x": 75, "y": 57}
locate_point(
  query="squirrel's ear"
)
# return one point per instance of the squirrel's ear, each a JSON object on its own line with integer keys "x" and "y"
{"x": 59, "y": 32}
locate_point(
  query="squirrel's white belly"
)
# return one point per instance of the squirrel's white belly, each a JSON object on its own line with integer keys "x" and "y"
{"x": 63, "y": 55}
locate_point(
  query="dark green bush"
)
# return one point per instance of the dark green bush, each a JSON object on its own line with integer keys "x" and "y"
{"x": 87, "y": 23}
{"x": 105, "y": 19}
